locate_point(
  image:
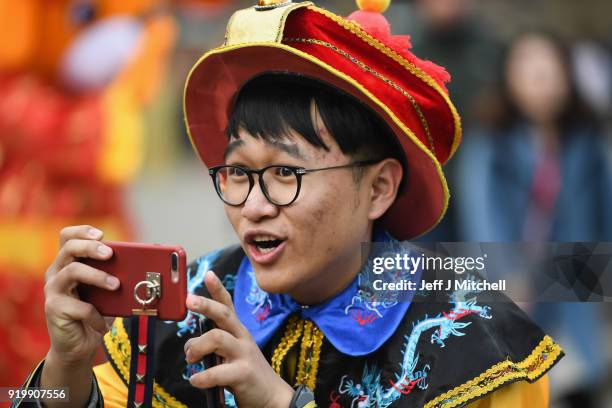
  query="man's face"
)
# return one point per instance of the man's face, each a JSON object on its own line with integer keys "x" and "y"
{"x": 321, "y": 230}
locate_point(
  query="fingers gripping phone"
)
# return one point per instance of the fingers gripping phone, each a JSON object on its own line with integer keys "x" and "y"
{"x": 162, "y": 268}
{"x": 215, "y": 396}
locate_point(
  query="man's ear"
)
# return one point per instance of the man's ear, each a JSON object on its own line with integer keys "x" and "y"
{"x": 385, "y": 178}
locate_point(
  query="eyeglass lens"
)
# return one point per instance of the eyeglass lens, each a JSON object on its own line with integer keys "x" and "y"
{"x": 280, "y": 184}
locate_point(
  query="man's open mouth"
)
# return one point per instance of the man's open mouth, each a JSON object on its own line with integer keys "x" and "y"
{"x": 264, "y": 247}
{"x": 266, "y": 244}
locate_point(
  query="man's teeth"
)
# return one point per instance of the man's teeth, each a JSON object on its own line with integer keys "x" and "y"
{"x": 265, "y": 238}
{"x": 266, "y": 243}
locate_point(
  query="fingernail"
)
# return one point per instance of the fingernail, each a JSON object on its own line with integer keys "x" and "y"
{"x": 213, "y": 274}
{"x": 104, "y": 250}
{"x": 94, "y": 232}
{"x": 112, "y": 282}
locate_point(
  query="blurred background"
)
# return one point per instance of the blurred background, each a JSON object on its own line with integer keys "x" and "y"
{"x": 91, "y": 131}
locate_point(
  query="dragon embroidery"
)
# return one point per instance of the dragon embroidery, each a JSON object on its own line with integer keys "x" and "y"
{"x": 195, "y": 280}
{"x": 372, "y": 393}
{"x": 258, "y": 298}
{"x": 367, "y": 306}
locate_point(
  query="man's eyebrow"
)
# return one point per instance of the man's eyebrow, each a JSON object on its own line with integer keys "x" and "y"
{"x": 289, "y": 148}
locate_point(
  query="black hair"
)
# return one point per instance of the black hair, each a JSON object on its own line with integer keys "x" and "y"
{"x": 270, "y": 105}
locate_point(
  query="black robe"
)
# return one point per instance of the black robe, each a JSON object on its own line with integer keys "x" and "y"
{"x": 446, "y": 370}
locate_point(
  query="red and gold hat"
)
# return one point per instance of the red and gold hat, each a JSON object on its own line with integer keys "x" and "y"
{"x": 357, "y": 54}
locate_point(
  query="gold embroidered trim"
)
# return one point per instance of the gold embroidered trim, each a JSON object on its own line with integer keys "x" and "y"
{"x": 359, "y": 32}
{"x": 310, "y": 350}
{"x": 378, "y": 75}
{"x": 543, "y": 356}
{"x": 292, "y": 334}
{"x": 117, "y": 343}
{"x": 308, "y": 365}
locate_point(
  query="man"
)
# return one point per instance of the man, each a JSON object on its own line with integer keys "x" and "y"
{"x": 311, "y": 160}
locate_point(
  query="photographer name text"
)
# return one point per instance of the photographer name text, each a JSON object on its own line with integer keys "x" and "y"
{"x": 441, "y": 284}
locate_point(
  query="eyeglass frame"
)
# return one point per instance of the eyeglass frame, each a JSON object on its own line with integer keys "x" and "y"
{"x": 297, "y": 171}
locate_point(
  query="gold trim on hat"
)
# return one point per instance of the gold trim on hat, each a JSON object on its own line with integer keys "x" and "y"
{"x": 270, "y": 4}
{"x": 357, "y": 30}
{"x": 378, "y": 75}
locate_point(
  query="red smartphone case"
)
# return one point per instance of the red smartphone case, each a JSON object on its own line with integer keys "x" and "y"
{"x": 130, "y": 263}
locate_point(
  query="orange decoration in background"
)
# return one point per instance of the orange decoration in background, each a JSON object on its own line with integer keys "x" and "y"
{"x": 65, "y": 155}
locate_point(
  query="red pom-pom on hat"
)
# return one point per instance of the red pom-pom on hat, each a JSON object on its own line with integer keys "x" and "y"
{"x": 369, "y": 17}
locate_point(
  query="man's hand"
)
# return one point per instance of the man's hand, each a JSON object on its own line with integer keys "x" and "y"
{"x": 245, "y": 370}
{"x": 75, "y": 327}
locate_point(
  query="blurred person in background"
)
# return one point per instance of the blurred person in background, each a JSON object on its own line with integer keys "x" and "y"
{"x": 538, "y": 172}
{"x": 74, "y": 78}
{"x": 453, "y": 33}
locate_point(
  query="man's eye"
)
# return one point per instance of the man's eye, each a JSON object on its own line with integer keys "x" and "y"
{"x": 283, "y": 172}
{"x": 236, "y": 172}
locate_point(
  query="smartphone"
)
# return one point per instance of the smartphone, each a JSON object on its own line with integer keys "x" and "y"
{"x": 215, "y": 396}
{"x": 150, "y": 273}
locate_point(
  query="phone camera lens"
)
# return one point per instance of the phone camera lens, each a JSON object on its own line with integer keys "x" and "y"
{"x": 174, "y": 261}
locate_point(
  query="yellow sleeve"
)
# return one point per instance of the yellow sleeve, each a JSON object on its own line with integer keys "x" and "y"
{"x": 114, "y": 391}
{"x": 520, "y": 394}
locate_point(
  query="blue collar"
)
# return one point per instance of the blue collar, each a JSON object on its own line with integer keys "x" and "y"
{"x": 356, "y": 321}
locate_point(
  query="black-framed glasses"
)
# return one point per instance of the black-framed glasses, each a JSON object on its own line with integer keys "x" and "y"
{"x": 280, "y": 184}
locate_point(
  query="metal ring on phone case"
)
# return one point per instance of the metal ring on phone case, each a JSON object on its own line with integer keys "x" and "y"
{"x": 153, "y": 285}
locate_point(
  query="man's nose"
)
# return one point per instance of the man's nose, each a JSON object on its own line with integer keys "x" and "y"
{"x": 257, "y": 205}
